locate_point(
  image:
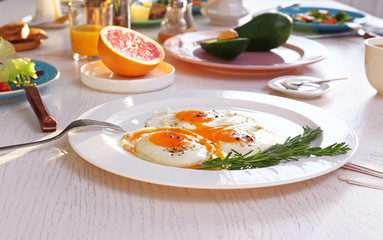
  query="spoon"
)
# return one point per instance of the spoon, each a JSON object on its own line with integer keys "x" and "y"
{"x": 295, "y": 84}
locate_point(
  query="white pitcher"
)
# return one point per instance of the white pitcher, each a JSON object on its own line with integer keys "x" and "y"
{"x": 47, "y": 11}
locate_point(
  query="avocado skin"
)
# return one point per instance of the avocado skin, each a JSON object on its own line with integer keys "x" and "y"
{"x": 266, "y": 31}
{"x": 227, "y": 49}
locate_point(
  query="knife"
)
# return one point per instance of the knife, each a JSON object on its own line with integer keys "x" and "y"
{"x": 47, "y": 122}
{"x": 358, "y": 28}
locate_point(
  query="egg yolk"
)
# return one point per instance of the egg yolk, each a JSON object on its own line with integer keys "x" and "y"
{"x": 169, "y": 139}
{"x": 221, "y": 134}
{"x": 193, "y": 116}
{"x": 230, "y": 135}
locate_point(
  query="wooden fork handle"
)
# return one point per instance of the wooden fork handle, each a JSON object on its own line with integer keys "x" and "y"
{"x": 47, "y": 123}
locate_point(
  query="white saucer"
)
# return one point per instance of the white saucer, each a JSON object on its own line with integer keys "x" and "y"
{"x": 310, "y": 91}
{"x": 97, "y": 76}
{"x": 49, "y": 25}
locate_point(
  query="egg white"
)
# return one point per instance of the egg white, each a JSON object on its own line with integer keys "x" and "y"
{"x": 219, "y": 118}
{"x": 260, "y": 140}
{"x": 192, "y": 153}
{"x": 167, "y": 119}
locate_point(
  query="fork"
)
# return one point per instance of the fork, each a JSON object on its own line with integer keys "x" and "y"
{"x": 73, "y": 125}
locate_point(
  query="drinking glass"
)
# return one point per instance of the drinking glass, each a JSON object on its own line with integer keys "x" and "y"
{"x": 86, "y": 19}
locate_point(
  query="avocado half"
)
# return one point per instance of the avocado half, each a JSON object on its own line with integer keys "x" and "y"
{"x": 227, "y": 49}
{"x": 266, "y": 31}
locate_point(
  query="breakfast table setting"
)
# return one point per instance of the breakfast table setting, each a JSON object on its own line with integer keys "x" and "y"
{"x": 75, "y": 182}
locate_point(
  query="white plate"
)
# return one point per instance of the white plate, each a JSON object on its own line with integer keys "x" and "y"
{"x": 297, "y": 51}
{"x": 283, "y": 116}
{"x": 97, "y": 76}
{"x": 311, "y": 91}
{"x": 49, "y": 25}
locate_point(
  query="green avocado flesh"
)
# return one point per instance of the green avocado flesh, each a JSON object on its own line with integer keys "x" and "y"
{"x": 227, "y": 49}
{"x": 266, "y": 31}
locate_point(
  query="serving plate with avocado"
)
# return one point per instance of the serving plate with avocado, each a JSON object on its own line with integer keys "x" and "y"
{"x": 296, "y": 52}
{"x": 263, "y": 43}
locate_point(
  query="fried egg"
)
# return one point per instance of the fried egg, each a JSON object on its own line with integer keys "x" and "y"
{"x": 192, "y": 119}
{"x": 188, "y": 138}
{"x": 168, "y": 146}
{"x": 243, "y": 141}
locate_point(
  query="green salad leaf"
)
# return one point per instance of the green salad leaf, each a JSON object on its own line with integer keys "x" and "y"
{"x": 6, "y": 49}
{"x": 14, "y": 69}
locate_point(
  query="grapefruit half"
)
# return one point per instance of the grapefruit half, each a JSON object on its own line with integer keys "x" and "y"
{"x": 127, "y": 52}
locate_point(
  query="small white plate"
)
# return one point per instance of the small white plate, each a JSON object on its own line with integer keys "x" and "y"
{"x": 97, "y": 76}
{"x": 49, "y": 25}
{"x": 307, "y": 91}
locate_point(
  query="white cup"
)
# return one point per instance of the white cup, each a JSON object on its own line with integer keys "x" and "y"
{"x": 373, "y": 59}
{"x": 224, "y": 12}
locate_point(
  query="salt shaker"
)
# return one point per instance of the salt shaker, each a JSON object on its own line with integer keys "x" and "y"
{"x": 174, "y": 21}
{"x": 189, "y": 16}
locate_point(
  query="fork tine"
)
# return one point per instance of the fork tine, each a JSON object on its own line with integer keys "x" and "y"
{"x": 101, "y": 123}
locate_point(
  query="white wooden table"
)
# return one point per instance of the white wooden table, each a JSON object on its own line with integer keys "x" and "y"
{"x": 49, "y": 192}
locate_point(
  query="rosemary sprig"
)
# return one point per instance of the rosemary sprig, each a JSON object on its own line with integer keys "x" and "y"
{"x": 291, "y": 150}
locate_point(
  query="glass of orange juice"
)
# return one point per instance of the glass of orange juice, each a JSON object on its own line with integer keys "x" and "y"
{"x": 86, "y": 19}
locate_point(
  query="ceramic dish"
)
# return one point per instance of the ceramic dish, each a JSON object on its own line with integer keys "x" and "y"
{"x": 307, "y": 91}
{"x": 50, "y": 74}
{"x": 29, "y": 19}
{"x": 224, "y": 13}
{"x": 296, "y": 52}
{"x": 97, "y": 76}
{"x": 157, "y": 22}
{"x": 148, "y": 23}
{"x": 197, "y": 9}
{"x": 292, "y": 11}
{"x": 285, "y": 117}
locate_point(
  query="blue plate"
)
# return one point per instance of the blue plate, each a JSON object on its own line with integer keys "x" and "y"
{"x": 50, "y": 73}
{"x": 197, "y": 9}
{"x": 316, "y": 27}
